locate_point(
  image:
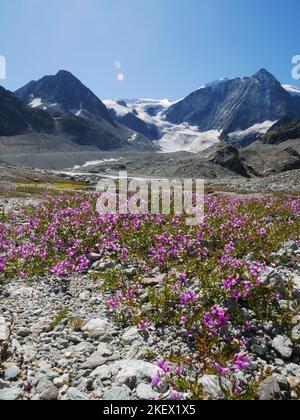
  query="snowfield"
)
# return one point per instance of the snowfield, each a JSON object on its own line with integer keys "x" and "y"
{"x": 174, "y": 138}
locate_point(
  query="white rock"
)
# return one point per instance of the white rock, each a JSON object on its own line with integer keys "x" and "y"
{"x": 10, "y": 394}
{"x": 136, "y": 352}
{"x": 4, "y": 331}
{"x": 117, "y": 393}
{"x": 74, "y": 394}
{"x": 97, "y": 327}
{"x": 142, "y": 371}
{"x": 84, "y": 296}
{"x": 145, "y": 392}
{"x": 283, "y": 346}
{"x": 131, "y": 335}
{"x": 296, "y": 333}
{"x": 296, "y": 287}
{"x": 104, "y": 350}
{"x": 212, "y": 387}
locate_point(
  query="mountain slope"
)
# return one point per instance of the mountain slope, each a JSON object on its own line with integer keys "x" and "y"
{"x": 129, "y": 117}
{"x": 234, "y": 105}
{"x": 16, "y": 118}
{"x": 65, "y": 91}
{"x": 78, "y": 113}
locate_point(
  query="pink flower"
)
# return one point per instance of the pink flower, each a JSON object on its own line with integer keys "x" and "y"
{"x": 188, "y": 297}
{"x": 156, "y": 379}
{"x": 262, "y": 232}
{"x": 241, "y": 361}
{"x": 221, "y": 369}
{"x": 163, "y": 365}
{"x": 144, "y": 325}
{"x": 176, "y": 396}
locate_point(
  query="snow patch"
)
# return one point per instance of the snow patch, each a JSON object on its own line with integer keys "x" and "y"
{"x": 96, "y": 162}
{"x": 186, "y": 138}
{"x": 120, "y": 110}
{"x": 261, "y": 128}
{"x": 36, "y": 102}
{"x": 293, "y": 90}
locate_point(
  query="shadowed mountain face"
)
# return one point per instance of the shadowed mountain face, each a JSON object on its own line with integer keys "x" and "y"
{"x": 66, "y": 91}
{"x": 280, "y": 133}
{"x": 231, "y": 105}
{"x": 16, "y": 118}
{"x": 41, "y": 125}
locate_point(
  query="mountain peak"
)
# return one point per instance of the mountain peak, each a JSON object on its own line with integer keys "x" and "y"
{"x": 65, "y": 74}
{"x": 66, "y": 91}
{"x": 265, "y": 77}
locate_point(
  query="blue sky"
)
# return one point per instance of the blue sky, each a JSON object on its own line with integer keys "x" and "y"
{"x": 166, "y": 48}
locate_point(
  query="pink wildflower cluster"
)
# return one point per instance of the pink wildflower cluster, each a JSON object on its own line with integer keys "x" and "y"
{"x": 215, "y": 319}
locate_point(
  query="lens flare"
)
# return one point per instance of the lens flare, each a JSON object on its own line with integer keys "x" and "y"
{"x": 121, "y": 77}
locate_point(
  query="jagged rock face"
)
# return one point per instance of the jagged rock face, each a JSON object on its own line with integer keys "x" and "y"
{"x": 235, "y": 104}
{"x": 283, "y": 132}
{"x": 67, "y": 91}
{"x": 225, "y": 155}
{"x": 16, "y": 118}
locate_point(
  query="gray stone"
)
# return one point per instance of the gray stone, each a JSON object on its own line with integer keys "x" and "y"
{"x": 47, "y": 390}
{"x": 24, "y": 332}
{"x": 269, "y": 389}
{"x": 4, "y": 331}
{"x": 81, "y": 349}
{"x": 145, "y": 392}
{"x": 74, "y": 394}
{"x": 103, "y": 265}
{"x": 283, "y": 346}
{"x": 296, "y": 333}
{"x": 291, "y": 245}
{"x": 10, "y": 394}
{"x": 143, "y": 371}
{"x": 75, "y": 339}
{"x": 11, "y": 373}
{"x": 93, "y": 362}
{"x": 93, "y": 257}
{"x": 213, "y": 387}
{"x": 260, "y": 346}
{"x": 117, "y": 393}
{"x": 43, "y": 326}
{"x": 84, "y": 296}
{"x": 131, "y": 335}
{"x": 104, "y": 350}
{"x": 296, "y": 288}
{"x": 103, "y": 373}
{"x": 61, "y": 380}
{"x": 136, "y": 352}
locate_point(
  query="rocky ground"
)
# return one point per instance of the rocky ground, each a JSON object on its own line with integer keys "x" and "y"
{"x": 286, "y": 182}
{"x": 59, "y": 341}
